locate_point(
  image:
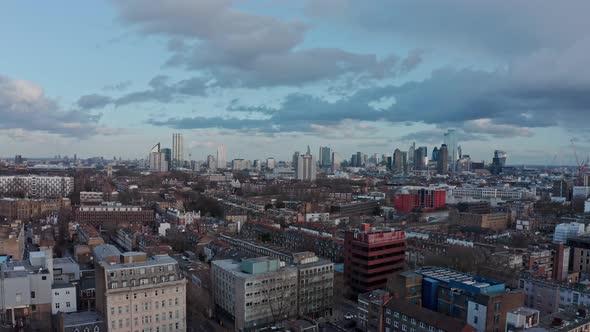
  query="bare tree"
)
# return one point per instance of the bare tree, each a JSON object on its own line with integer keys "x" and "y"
{"x": 280, "y": 296}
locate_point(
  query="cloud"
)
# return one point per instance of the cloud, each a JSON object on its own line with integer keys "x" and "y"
{"x": 211, "y": 122}
{"x": 121, "y": 86}
{"x": 93, "y": 101}
{"x": 500, "y": 28}
{"x": 159, "y": 91}
{"x": 238, "y": 48}
{"x": 24, "y": 106}
{"x": 546, "y": 89}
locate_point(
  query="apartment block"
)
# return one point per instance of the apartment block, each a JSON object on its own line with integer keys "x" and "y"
{"x": 406, "y": 286}
{"x": 256, "y": 292}
{"x": 480, "y": 302}
{"x": 25, "y": 293}
{"x": 370, "y": 310}
{"x": 12, "y": 240}
{"x": 25, "y": 208}
{"x": 371, "y": 256}
{"x": 36, "y": 186}
{"x": 138, "y": 293}
{"x": 404, "y": 316}
{"x": 110, "y": 215}
{"x": 315, "y": 290}
{"x": 491, "y": 221}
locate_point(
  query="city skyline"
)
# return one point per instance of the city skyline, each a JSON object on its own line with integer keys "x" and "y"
{"x": 350, "y": 75}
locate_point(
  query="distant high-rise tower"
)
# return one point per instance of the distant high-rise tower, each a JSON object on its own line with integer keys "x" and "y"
{"x": 177, "y": 150}
{"x": 211, "y": 164}
{"x": 167, "y": 155}
{"x": 306, "y": 170}
{"x": 399, "y": 161}
{"x": 158, "y": 161}
{"x": 442, "y": 163}
{"x": 270, "y": 163}
{"x": 450, "y": 139}
{"x": 420, "y": 158}
{"x": 499, "y": 161}
{"x": 221, "y": 157}
{"x": 325, "y": 157}
{"x": 295, "y": 161}
{"x": 411, "y": 154}
{"x": 435, "y": 154}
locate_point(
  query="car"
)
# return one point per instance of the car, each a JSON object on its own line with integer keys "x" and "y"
{"x": 348, "y": 316}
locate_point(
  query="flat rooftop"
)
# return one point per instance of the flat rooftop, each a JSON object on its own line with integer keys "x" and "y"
{"x": 448, "y": 275}
{"x": 82, "y": 317}
{"x": 151, "y": 261}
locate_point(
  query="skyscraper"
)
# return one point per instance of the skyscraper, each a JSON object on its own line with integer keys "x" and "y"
{"x": 442, "y": 163}
{"x": 158, "y": 161}
{"x": 221, "y": 158}
{"x": 271, "y": 163}
{"x": 435, "y": 153}
{"x": 167, "y": 156}
{"x": 306, "y": 170}
{"x": 359, "y": 159}
{"x": 450, "y": 139}
{"x": 325, "y": 157}
{"x": 411, "y": 154}
{"x": 398, "y": 161}
{"x": 420, "y": 158}
{"x": 177, "y": 150}
{"x": 498, "y": 162}
{"x": 295, "y": 160}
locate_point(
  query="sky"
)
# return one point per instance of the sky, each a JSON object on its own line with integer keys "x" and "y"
{"x": 270, "y": 77}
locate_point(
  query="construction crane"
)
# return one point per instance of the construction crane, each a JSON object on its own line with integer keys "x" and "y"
{"x": 581, "y": 166}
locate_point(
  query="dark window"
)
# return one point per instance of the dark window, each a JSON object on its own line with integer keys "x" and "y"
{"x": 32, "y": 295}
{"x": 44, "y": 278}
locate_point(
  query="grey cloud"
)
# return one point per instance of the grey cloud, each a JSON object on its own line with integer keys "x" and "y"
{"x": 242, "y": 49}
{"x": 212, "y": 122}
{"x": 93, "y": 101}
{"x": 501, "y": 27}
{"x": 23, "y": 105}
{"x": 121, "y": 86}
{"x": 508, "y": 102}
{"x": 159, "y": 91}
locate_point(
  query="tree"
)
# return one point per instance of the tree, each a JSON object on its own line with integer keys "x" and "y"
{"x": 208, "y": 206}
{"x": 280, "y": 296}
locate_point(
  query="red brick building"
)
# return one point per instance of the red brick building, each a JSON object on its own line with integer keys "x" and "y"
{"x": 112, "y": 216}
{"x": 409, "y": 199}
{"x": 371, "y": 255}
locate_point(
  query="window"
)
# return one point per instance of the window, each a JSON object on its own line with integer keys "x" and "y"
{"x": 497, "y": 306}
{"x": 57, "y": 305}
{"x": 396, "y": 324}
{"x": 404, "y": 327}
{"x": 44, "y": 278}
{"x": 431, "y": 328}
{"x": 96, "y": 329}
{"x": 413, "y": 321}
{"x": 475, "y": 319}
{"x": 67, "y": 304}
{"x": 422, "y": 325}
